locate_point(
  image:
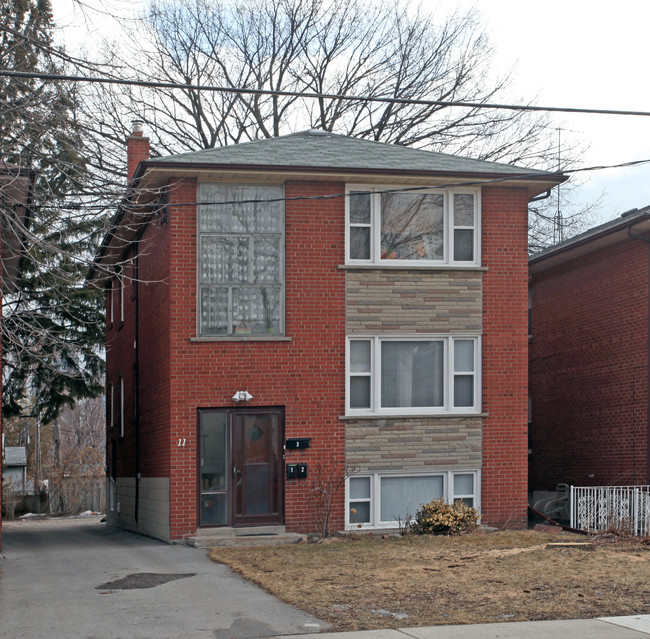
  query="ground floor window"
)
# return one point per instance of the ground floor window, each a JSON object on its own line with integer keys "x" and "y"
{"x": 382, "y": 500}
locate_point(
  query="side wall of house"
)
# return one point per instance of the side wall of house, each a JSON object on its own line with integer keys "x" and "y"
{"x": 589, "y": 370}
{"x": 505, "y": 355}
{"x": 302, "y": 373}
{"x": 138, "y": 451}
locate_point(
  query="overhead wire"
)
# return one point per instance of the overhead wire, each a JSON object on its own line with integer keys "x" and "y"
{"x": 330, "y": 196}
{"x": 302, "y": 94}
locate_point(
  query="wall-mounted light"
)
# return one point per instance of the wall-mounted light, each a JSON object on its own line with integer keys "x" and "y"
{"x": 242, "y": 396}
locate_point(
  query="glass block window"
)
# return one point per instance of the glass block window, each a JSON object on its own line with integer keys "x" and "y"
{"x": 241, "y": 260}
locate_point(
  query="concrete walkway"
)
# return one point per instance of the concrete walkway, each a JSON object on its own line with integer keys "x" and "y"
{"x": 636, "y": 627}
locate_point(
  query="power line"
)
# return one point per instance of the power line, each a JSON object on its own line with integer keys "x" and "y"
{"x": 330, "y": 196}
{"x": 302, "y": 94}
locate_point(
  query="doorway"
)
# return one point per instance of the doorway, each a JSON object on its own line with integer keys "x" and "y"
{"x": 240, "y": 466}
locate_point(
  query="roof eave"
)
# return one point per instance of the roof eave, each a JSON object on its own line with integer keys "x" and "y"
{"x": 536, "y": 181}
{"x": 572, "y": 249}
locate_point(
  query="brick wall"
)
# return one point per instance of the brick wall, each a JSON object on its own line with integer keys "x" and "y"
{"x": 588, "y": 370}
{"x": 146, "y": 292}
{"x": 505, "y": 355}
{"x": 302, "y": 374}
{"x": 137, "y": 148}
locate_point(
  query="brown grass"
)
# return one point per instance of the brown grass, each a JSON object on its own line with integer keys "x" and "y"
{"x": 370, "y": 582}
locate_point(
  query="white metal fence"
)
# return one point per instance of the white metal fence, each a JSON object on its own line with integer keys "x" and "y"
{"x": 602, "y": 508}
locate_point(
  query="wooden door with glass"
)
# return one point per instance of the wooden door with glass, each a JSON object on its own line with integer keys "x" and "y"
{"x": 240, "y": 467}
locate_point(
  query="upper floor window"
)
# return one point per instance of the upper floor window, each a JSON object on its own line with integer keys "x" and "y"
{"x": 413, "y": 375}
{"x": 241, "y": 259}
{"x": 419, "y": 228}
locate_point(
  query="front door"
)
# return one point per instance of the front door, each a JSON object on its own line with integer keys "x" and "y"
{"x": 241, "y": 467}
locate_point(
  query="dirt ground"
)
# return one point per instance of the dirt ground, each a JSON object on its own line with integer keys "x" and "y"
{"x": 362, "y": 582}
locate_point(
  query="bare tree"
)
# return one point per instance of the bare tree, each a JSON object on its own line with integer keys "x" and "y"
{"x": 52, "y": 326}
{"x": 315, "y": 46}
{"x": 378, "y": 52}
{"x": 75, "y": 463}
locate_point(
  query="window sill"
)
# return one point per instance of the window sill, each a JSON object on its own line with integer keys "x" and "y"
{"x": 410, "y": 416}
{"x": 411, "y": 267}
{"x": 242, "y": 338}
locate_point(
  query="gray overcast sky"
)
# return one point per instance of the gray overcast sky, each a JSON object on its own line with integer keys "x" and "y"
{"x": 573, "y": 53}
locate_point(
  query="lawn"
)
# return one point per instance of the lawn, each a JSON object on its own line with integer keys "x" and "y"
{"x": 363, "y": 582}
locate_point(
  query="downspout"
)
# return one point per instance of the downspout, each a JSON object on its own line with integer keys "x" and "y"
{"x": 136, "y": 377}
{"x": 647, "y": 242}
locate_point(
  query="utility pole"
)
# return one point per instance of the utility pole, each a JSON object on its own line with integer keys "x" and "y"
{"x": 37, "y": 456}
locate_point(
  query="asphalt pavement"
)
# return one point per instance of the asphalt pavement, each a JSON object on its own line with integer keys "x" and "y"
{"x": 74, "y": 578}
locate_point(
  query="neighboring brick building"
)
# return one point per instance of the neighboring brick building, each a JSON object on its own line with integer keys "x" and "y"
{"x": 589, "y": 357}
{"x": 386, "y": 329}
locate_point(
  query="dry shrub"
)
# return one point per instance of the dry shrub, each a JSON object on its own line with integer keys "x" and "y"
{"x": 440, "y": 518}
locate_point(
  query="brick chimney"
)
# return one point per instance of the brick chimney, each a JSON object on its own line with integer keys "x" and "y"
{"x": 137, "y": 148}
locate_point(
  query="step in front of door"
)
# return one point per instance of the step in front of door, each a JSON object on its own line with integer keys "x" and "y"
{"x": 249, "y": 536}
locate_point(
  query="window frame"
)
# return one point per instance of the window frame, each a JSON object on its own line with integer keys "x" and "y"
{"x": 112, "y": 405}
{"x": 122, "y": 430}
{"x": 449, "y": 373}
{"x": 449, "y": 227}
{"x": 376, "y": 523}
{"x": 231, "y": 333}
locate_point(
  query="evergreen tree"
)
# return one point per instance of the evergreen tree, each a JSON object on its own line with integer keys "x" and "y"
{"x": 52, "y": 326}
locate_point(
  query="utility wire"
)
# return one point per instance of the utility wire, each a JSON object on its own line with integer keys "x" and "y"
{"x": 302, "y": 94}
{"x": 331, "y": 196}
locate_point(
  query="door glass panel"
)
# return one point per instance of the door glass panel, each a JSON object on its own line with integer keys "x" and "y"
{"x": 256, "y": 460}
{"x": 258, "y": 464}
{"x": 213, "y": 509}
{"x": 213, "y": 468}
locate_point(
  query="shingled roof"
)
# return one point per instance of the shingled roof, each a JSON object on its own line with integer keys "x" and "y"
{"x": 316, "y": 149}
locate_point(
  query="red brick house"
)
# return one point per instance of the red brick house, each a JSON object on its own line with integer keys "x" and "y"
{"x": 294, "y": 310}
{"x": 589, "y": 365}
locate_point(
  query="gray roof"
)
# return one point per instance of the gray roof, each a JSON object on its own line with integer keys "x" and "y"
{"x": 317, "y": 149}
{"x": 15, "y": 456}
{"x": 627, "y": 219}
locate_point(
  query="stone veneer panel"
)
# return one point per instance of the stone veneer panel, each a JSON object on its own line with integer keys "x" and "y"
{"x": 413, "y": 301}
{"x": 413, "y": 443}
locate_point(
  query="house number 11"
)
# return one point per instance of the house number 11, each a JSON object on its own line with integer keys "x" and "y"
{"x": 181, "y": 442}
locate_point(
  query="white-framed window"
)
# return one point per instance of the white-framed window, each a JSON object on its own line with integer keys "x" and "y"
{"x": 382, "y": 500}
{"x": 241, "y": 260}
{"x": 427, "y": 227}
{"x": 416, "y": 375}
{"x": 111, "y": 406}
{"x": 121, "y": 406}
{"x": 120, "y": 283}
{"x": 111, "y": 301}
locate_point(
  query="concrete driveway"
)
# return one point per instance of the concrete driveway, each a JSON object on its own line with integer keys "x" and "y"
{"x": 76, "y": 578}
